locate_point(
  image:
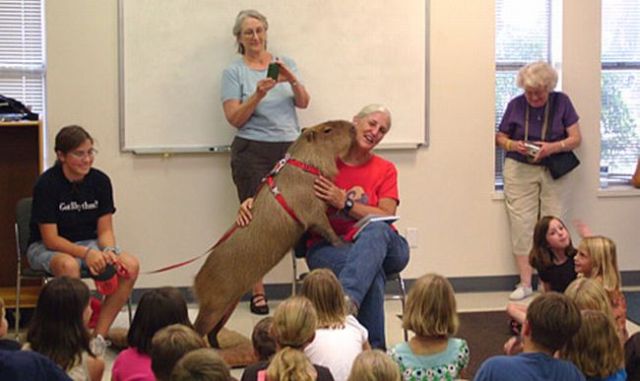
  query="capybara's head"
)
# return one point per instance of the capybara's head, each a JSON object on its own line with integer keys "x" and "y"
{"x": 327, "y": 140}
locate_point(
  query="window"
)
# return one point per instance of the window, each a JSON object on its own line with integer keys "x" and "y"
{"x": 22, "y": 58}
{"x": 526, "y": 31}
{"x": 620, "y": 81}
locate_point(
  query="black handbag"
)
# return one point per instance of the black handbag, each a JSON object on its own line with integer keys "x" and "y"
{"x": 560, "y": 164}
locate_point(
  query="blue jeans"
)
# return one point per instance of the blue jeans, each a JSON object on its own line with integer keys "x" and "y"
{"x": 361, "y": 267}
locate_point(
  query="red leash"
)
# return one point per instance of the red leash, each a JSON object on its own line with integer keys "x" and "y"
{"x": 270, "y": 181}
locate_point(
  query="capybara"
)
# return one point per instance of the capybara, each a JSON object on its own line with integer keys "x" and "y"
{"x": 234, "y": 266}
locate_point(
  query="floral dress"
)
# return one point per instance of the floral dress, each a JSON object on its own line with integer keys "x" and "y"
{"x": 446, "y": 365}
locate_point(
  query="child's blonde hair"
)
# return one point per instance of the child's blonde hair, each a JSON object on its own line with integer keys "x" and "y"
{"x": 604, "y": 261}
{"x": 589, "y": 294}
{"x": 595, "y": 349}
{"x": 324, "y": 290}
{"x": 294, "y": 326}
{"x": 431, "y": 307}
{"x": 290, "y": 364}
{"x": 374, "y": 365}
{"x": 294, "y": 322}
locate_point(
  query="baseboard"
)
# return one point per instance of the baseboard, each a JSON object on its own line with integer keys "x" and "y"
{"x": 280, "y": 291}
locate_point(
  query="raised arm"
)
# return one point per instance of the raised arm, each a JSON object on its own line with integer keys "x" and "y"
{"x": 237, "y": 112}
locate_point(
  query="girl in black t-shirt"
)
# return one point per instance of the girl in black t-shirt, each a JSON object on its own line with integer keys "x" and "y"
{"x": 71, "y": 223}
{"x": 552, "y": 256}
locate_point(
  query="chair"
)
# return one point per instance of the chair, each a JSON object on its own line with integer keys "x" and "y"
{"x": 399, "y": 293}
{"x": 23, "y": 218}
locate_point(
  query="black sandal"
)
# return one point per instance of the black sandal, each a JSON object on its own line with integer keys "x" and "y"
{"x": 256, "y": 309}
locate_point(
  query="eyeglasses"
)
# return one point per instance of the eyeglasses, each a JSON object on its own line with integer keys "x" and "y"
{"x": 82, "y": 154}
{"x": 251, "y": 32}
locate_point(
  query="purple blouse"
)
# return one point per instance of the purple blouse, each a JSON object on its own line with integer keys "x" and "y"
{"x": 512, "y": 123}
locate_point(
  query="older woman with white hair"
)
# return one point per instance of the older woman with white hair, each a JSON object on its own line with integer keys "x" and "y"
{"x": 536, "y": 125}
{"x": 366, "y": 184}
{"x": 263, "y": 110}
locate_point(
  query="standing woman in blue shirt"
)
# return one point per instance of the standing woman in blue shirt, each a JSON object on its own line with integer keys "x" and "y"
{"x": 262, "y": 109}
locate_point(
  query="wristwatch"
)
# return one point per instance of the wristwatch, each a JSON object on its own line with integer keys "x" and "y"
{"x": 348, "y": 205}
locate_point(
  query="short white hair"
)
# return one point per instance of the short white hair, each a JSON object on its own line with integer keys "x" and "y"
{"x": 537, "y": 75}
{"x": 370, "y": 109}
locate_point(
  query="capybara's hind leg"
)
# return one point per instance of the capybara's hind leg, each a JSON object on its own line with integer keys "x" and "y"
{"x": 212, "y": 336}
{"x": 207, "y": 319}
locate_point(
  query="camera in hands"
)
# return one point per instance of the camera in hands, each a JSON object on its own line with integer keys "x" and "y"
{"x": 532, "y": 149}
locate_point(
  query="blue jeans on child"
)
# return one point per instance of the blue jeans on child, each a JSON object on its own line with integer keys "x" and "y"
{"x": 362, "y": 267}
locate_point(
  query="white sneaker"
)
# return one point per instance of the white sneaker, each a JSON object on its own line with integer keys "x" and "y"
{"x": 98, "y": 345}
{"x": 521, "y": 292}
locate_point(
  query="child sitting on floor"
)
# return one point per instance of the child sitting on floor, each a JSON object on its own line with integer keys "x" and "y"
{"x": 169, "y": 345}
{"x": 157, "y": 309}
{"x": 597, "y": 259}
{"x": 374, "y": 365}
{"x": 596, "y": 349}
{"x": 552, "y": 320}
{"x": 294, "y": 325}
{"x": 201, "y": 365}
{"x": 552, "y": 256}
{"x": 59, "y": 330}
{"x": 339, "y": 337}
{"x": 431, "y": 314}
{"x": 264, "y": 346}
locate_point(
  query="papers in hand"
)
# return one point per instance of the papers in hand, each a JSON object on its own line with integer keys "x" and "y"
{"x": 366, "y": 220}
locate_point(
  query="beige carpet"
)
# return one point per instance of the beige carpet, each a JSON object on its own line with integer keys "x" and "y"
{"x": 235, "y": 348}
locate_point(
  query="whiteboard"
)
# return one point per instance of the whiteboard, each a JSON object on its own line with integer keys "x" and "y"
{"x": 350, "y": 53}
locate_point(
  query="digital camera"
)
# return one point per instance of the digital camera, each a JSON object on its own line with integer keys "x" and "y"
{"x": 532, "y": 149}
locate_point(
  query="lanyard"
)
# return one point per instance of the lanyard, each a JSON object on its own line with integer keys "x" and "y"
{"x": 544, "y": 125}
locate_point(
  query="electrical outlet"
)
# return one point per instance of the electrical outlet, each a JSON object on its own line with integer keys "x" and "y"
{"x": 412, "y": 237}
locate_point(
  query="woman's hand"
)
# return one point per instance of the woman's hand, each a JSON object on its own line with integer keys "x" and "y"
{"x": 264, "y": 85}
{"x": 244, "y": 213}
{"x": 328, "y": 192}
{"x": 518, "y": 146}
{"x": 546, "y": 149}
{"x": 286, "y": 75}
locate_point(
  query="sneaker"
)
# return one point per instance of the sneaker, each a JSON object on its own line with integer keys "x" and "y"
{"x": 521, "y": 292}
{"x": 99, "y": 345}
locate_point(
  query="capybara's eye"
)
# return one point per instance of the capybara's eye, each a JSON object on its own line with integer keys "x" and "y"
{"x": 327, "y": 130}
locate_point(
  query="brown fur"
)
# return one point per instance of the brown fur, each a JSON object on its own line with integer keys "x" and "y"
{"x": 233, "y": 267}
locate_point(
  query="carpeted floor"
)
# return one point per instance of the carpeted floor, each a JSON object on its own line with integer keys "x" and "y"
{"x": 486, "y": 333}
{"x": 633, "y": 306}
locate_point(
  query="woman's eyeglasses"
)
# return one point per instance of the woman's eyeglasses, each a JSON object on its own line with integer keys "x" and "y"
{"x": 251, "y": 32}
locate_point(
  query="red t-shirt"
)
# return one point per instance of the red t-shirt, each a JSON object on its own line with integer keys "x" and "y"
{"x": 366, "y": 184}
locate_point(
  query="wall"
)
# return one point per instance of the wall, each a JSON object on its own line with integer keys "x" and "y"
{"x": 170, "y": 209}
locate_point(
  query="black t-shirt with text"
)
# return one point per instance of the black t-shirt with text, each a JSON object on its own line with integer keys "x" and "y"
{"x": 74, "y": 207}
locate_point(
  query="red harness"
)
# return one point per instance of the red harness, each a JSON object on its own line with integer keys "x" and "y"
{"x": 271, "y": 182}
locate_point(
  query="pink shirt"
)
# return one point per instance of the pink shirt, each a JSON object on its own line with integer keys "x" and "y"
{"x": 131, "y": 365}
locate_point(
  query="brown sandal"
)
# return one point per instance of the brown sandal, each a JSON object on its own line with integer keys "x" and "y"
{"x": 255, "y": 308}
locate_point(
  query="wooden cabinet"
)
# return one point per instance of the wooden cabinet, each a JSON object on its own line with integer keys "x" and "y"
{"x": 21, "y": 147}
